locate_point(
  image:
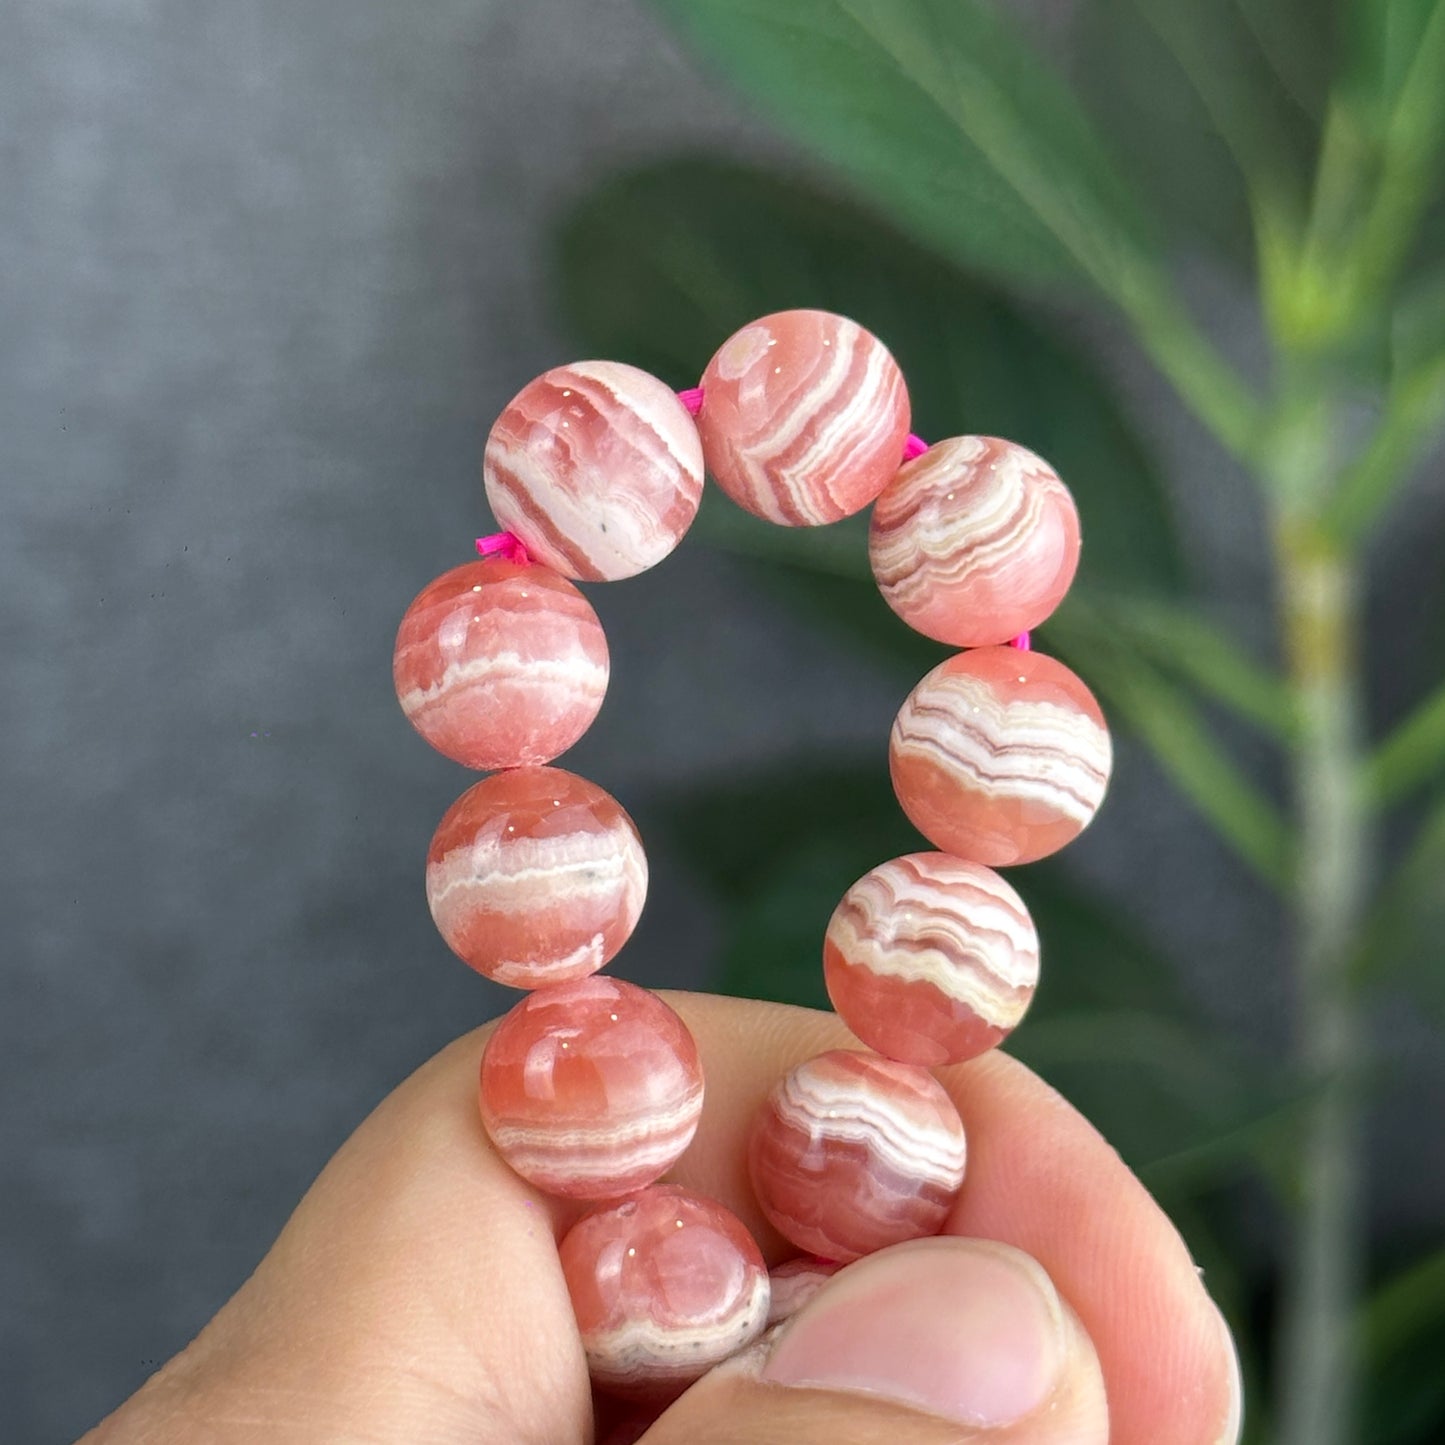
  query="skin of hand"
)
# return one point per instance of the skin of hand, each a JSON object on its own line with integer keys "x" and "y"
{"x": 415, "y": 1295}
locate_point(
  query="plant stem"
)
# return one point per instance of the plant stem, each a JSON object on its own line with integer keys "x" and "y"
{"x": 1318, "y": 1378}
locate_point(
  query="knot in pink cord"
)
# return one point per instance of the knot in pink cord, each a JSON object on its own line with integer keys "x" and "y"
{"x": 506, "y": 545}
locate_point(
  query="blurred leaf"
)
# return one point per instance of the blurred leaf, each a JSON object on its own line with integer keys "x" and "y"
{"x": 1414, "y": 408}
{"x": 1393, "y": 47}
{"x": 1418, "y": 333}
{"x": 1202, "y": 1111}
{"x": 1403, "y": 1328}
{"x": 943, "y": 111}
{"x": 1379, "y": 166}
{"x": 659, "y": 266}
{"x": 1412, "y": 753}
{"x": 1404, "y": 937}
{"x": 1171, "y": 727}
{"x": 1187, "y": 644}
{"x": 1198, "y": 98}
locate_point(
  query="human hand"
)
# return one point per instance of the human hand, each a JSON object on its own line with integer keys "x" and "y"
{"x": 415, "y": 1296}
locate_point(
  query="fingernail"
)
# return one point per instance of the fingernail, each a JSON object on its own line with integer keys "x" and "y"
{"x": 968, "y": 1330}
{"x": 1234, "y": 1418}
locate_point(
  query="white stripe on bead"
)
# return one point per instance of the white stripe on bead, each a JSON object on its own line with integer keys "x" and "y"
{"x": 842, "y": 1107}
{"x": 914, "y": 554}
{"x": 579, "y": 681}
{"x": 978, "y": 945}
{"x": 644, "y": 1143}
{"x": 779, "y": 483}
{"x": 1030, "y": 750}
{"x": 644, "y": 1346}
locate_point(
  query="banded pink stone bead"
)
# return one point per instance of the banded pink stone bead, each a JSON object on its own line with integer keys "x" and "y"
{"x": 931, "y": 960}
{"x": 500, "y": 664}
{"x": 597, "y": 467}
{"x": 850, "y": 1153}
{"x": 794, "y": 1283}
{"x": 974, "y": 541}
{"x": 664, "y": 1285}
{"x": 592, "y": 1089}
{"x": 536, "y": 876}
{"x": 1000, "y": 756}
{"x": 804, "y": 417}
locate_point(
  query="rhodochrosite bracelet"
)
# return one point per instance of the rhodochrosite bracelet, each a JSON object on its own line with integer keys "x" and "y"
{"x": 591, "y": 1088}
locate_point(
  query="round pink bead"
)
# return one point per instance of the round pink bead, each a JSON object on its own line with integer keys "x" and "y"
{"x": 591, "y": 1089}
{"x": 536, "y": 876}
{"x": 1000, "y": 756}
{"x": 597, "y": 467}
{"x": 664, "y": 1286}
{"x": 974, "y": 541}
{"x": 851, "y": 1153}
{"x": 931, "y": 960}
{"x": 794, "y": 1283}
{"x": 500, "y": 664}
{"x": 804, "y": 417}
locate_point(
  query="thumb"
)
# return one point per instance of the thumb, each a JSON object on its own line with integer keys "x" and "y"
{"x": 941, "y": 1341}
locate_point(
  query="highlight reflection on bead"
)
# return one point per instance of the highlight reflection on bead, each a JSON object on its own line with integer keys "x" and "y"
{"x": 536, "y": 876}
{"x": 975, "y": 541}
{"x": 664, "y": 1285}
{"x": 500, "y": 664}
{"x": 591, "y": 1089}
{"x": 804, "y": 417}
{"x": 1000, "y": 756}
{"x": 931, "y": 960}
{"x": 597, "y": 467}
{"x": 851, "y": 1152}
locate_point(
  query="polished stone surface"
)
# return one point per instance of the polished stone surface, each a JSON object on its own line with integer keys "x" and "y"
{"x": 931, "y": 960}
{"x": 795, "y": 1282}
{"x": 499, "y": 664}
{"x": 1000, "y": 756}
{"x": 593, "y": 1089}
{"x": 597, "y": 467}
{"x": 664, "y": 1285}
{"x": 804, "y": 417}
{"x": 851, "y": 1152}
{"x": 975, "y": 541}
{"x": 536, "y": 876}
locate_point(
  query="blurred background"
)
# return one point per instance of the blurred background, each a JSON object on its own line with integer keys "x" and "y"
{"x": 267, "y": 274}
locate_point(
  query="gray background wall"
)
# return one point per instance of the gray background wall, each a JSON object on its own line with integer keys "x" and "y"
{"x": 267, "y": 273}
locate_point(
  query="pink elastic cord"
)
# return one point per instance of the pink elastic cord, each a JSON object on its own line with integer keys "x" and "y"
{"x": 915, "y": 446}
{"x": 506, "y": 545}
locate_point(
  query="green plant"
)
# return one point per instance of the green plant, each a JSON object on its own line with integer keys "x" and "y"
{"x": 1299, "y": 141}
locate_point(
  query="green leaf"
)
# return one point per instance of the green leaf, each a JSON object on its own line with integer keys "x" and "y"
{"x": 942, "y": 110}
{"x": 1203, "y": 101}
{"x": 938, "y": 109}
{"x": 1202, "y": 1113}
{"x": 1404, "y": 935}
{"x": 1379, "y": 166}
{"x": 659, "y": 266}
{"x": 1411, "y": 755}
{"x": 1413, "y": 414}
{"x": 1170, "y": 725}
{"x": 1390, "y": 48}
{"x": 1403, "y": 1339}
{"x": 1186, "y": 644}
